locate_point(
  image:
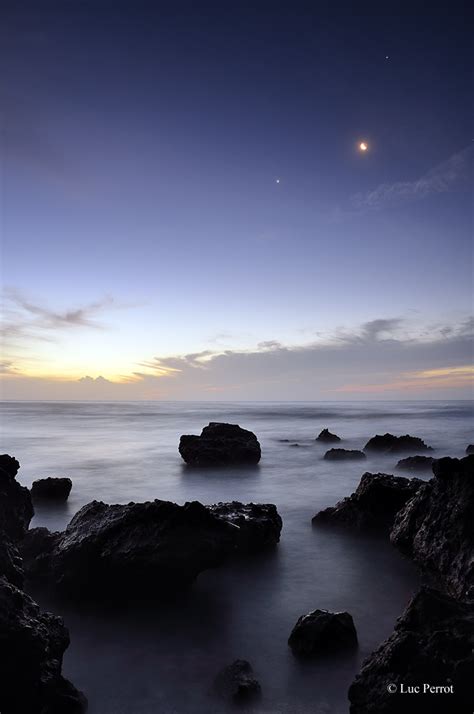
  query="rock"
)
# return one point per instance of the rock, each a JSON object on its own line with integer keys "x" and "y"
{"x": 435, "y": 528}
{"x": 220, "y": 445}
{"x": 390, "y": 444}
{"x": 326, "y": 437}
{"x": 470, "y": 449}
{"x": 321, "y": 632}
{"x": 373, "y": 505}
{"x": 293, "y": 445}
{"x": 433, "y": 645}
{"x": 11, "y": 564}
{"x": 416, "y": 463}
{"x": 237, "y": 682}
{"x": 57, "y": 489}
{"x": 148, "y": 548}
{"x": 343, "y": 454}
{"x": 16, "y": 509}
{"x": 36, "y": 549}
{"x": 32, "y": 644}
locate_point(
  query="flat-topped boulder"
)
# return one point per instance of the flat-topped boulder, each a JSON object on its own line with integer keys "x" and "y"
{"x": 344, "y": 455}
{"x": 432, "y": 646}
{"x": 416, "y": 463}
{"x": 321, "y": 632}
{"x": 155, "y": 547}
{"x": 373, "y": 505}
{"x": 51, "y": 488}
{"x": 390, "y": 444}
{"x": 436, "y": 527}
{"x": 237, "y": 682}
{"x": 220, "y": 445}
{"x": 327, "y": 437}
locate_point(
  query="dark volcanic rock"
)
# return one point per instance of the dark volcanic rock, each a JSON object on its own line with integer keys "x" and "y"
{"x": 470, "y": 449}
{"x": 373, "y": 505}
{"x": 416, "y": 463}
{"x": 326, "y": 437}
{"x": 220, "y": 445}
{"x": 16, "y": 509}
{"x": 433, "y": 643}
{"x": 343, "y": 454}
{"x": 11, "y": 564}
{"x": 57, "y": 489}
{"x": 36, "y": 549}
{"x": 237, "y": 682}
{"x": 32, "y": 644}
{"x": 436, "y": 527}
{"x": 155, "y": 547}
{"x": 321, "y": 632}
{"x": 390, "y": 444}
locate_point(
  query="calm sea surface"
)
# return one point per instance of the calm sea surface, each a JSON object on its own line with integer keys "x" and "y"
{"x": 162, "y": 659}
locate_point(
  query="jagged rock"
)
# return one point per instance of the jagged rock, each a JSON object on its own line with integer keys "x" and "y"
{"x": 16, "y": 509}
{"x": 36, "y": 549}
{"x": 57, "y": 489}
{"x": 32, "y": 644}
{"x": 416, "y": 463}
{"x": 11, "y": 564}
{"x": 390, "y": 444}
{"x": 154, "y": 547}
{"x": 433, "y": 645}
{"x": 220, "y": 445}
{"x": 326, "y": 437}
{"x": 237, "y": 682}
{"x": 436, "y": 527}
{"x": 373, "y": 505}
{"x": 321, "y": 632}
{"x": 343, "y": 455}
{"x": 470, "y": 449}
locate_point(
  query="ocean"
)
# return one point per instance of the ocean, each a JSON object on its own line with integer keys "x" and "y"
{"x": 161, "y": 658}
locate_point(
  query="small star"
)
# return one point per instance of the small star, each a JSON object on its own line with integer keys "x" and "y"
{"x": 277, "y": 181}
{"x": 387, "y": 57}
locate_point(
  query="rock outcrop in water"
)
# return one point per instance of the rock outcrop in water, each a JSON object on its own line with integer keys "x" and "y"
{"x": 416, "y": 463}
{"x": 237, "y": 683}
{"x": 220, "y": 445}
{"x": 432, "y": 645}
{"x": 373, "y": 505}
{"x": 148, "y": 548}
{"x": 470, "y": 449}
{"x": 344, "y": 455}
{"x": 327, "y": 437}
{"x": 32, "y": 642}
{"x": 321, "y": 632}
{"x": 436, "y": 527}
{"x": 390, "y": 444}
{"x": 51, "y": 488}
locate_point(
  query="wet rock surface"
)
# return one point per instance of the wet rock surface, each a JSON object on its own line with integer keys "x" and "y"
{"x": 416, "y": 463}
{"x": 433, "y": 643}
{"x": 220, "y": 445}
{"x": 390, "y": 444}
{"x": 344, "y": 455}
{"x": 51, "y": 488}
{"x": 259, "y": 524}
{"x": 436, "y": 527}
{"x": 327, "y": 437}
{"x": 373, "y": 505}
{"x": 320, "y": 632}
{"x": 237, "y": 682}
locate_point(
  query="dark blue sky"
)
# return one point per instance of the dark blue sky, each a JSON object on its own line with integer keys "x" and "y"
{"x": 143, "y": 145}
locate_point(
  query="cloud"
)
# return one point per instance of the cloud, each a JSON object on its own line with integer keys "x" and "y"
{"x": 441, "y": 179}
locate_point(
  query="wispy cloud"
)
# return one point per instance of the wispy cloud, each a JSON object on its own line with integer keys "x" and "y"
{"x": 440, "y": 179}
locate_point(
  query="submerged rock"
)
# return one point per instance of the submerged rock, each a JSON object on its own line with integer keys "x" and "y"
{"x": 57, "y": 489}
{"x": 373, "y": 505}
{"x": 16, "y": 509}
{"x": 390, "y": 444}
{"x": 343, "y": 454}
{"x": 326, "y": 437}
{"x": 148, "y": 548}
{"x": 432, "y": 645}
{"x": 436, "y": 527}
{"x": 32, "y": 644}
{"x": 416, "y": 463}
{"x": 220, "y": 445}
{"x": 237, "y": 682}
{"x": 321, "y": 632}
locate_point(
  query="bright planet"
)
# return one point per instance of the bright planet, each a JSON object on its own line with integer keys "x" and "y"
{"x": 363, "y": 146}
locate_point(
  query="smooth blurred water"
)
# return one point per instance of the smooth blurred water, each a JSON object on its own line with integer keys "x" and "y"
{"x": 163, "y": 658}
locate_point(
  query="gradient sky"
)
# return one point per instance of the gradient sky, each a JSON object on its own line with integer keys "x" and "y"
{"x": 186, "y": 213}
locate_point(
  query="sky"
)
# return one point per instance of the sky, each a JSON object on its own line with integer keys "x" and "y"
{"x": 186, "y": 212}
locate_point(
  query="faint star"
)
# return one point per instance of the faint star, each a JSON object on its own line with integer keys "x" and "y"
{"x": 278, "y": 181}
